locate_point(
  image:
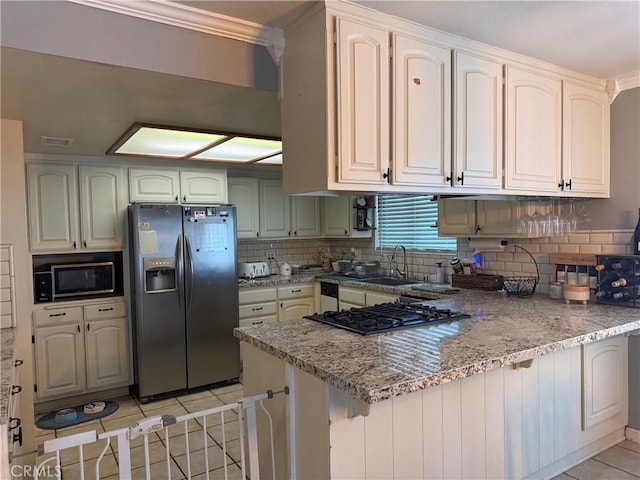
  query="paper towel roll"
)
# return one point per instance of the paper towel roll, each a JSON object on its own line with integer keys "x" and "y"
{"x": 487, "y": 245}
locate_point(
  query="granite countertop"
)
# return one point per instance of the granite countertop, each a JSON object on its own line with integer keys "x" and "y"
{"x": 275, "y": 280}
{"x": 7, "y": 339}
{"x": 501, "y": 331}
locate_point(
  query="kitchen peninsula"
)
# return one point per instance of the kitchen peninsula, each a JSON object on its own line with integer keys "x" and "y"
{"x": 525, "y": 387}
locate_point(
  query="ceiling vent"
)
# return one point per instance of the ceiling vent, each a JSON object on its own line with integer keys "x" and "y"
{"x": 56, "y": 142}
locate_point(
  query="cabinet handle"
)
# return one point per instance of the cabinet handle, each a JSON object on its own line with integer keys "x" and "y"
{"x": 257, "y": 323}
{"x": 184, "y": 198}
{"x": 14, "y": 423}
{"x": 296, "y": 291}
{"x": 256, "y": 309}
{"x": 57, "y": 314}
{"x": 105, "y": 309}
{"x": 387, "y": 174}
{"x": 461, "y": 179}
{"x": 478, "y": 228}
{"x": 18, "y": 362}
{"x": 176, "y": 198}
{"x": 257, "y": 234}
{"x": 17, "y": 437}
{"x": 295, "y": 233}
{"x": 74, "y": 244}
{"x": 88, "y": 327}
{"x": 450, "y": 180}
{"x": 289, "y": 233}
{"x": 345, "y": 231}
{"x": 84, "y": 243}
{"x": 15, "y": 389}
{"x": 78, "y": 328}
{"x": 568, "y": 184}
{"x": 561, "y": 184}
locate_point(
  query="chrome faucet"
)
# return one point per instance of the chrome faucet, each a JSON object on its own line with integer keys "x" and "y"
{"x": 394, "y": 259}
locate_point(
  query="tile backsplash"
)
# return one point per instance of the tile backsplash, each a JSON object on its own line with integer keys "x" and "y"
{"x": 422, "y": 266}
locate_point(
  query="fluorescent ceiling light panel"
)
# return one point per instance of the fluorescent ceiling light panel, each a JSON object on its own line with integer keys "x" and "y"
{"x": 275, "y": 160}
{"x": 161, "y": 142}
{"x": 241, "y": 149}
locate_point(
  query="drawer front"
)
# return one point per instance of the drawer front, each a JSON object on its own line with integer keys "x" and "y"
{"x": 258, "y": 310}
{"x": 104, "y": 310}
{"x": 58, "y": 315}
{"x": 248, "y": 322}
{"x": 352, "y": 295}
{"x": 256, "y": 295}
{"x": 295, "y": 291}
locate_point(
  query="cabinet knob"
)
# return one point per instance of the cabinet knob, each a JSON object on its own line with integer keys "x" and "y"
{"x": 184, "y": 198}
{"x": 74, "y": 244}
{"x": 295, "y": 233}
{"x": 257, "y": 234}
{"x": 345, "y": 231}
{"x": 478, "y": 228}
{"x": 387, "y": 174}
{"x": 84, "y": 243}
{"x": 561, "y": 184}
{"x": 88, "y": 327}
{"x": 78, "y": 328}
{"x": 461, "y": 179}
{"x": 450, "y": 180}
{"x": 176, "y": 198}
{"x": 568, "y": 184}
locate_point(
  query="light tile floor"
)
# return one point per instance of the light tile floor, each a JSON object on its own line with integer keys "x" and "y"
{"x": 620, "y": 462}
{"x": 131, "y": 411}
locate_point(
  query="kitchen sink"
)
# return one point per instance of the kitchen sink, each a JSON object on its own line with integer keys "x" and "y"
{"x": 390, "y": 281}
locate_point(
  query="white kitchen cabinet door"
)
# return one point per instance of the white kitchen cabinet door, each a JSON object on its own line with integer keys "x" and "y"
{"x": 422, "y": 112}
{"x": 305, "y": 216}
{"x": 603, "y": 369}
{"x": 275, "y": 210}
{"x": 533, "y": 131}
{"x": 101, "y": 206}
{"x": 296, "y": 309}
{"x": 106, "y": 353}
{"x": 477, "y": 106}
{"x": 456, "y": 217}
{"x": 53, "y": 207}
{"x": 59, "y": 360}
{"x": 197, "y": 187}
{"x": 243, "y": 193}
{"x": 362, "y": 69}
{"x": 336, "y": 215}
{"x": 154, "y": 185}
{"x": 585, "y": 139}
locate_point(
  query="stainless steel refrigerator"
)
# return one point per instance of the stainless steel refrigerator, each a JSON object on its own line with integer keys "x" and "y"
{"x": 185, "y": 297}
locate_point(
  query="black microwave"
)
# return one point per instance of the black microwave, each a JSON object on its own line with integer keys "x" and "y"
{"x": 74, "y": 280}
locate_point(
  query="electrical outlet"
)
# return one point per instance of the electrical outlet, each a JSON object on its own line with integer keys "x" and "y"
{"x": 271, "y": 255}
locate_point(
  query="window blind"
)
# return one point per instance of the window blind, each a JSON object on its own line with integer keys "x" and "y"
{"x": 410, "y": 220}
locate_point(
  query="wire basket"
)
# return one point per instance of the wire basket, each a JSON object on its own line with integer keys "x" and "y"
{"x": 522, "y": 286}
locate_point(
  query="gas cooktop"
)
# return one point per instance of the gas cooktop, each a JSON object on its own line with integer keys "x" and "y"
{"x": 386, "y": 317}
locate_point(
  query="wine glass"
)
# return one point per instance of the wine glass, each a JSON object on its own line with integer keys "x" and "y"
{"x": 571, "y": 218}
{"x": 535, "y": 226}
{"x": 525, "y": 219}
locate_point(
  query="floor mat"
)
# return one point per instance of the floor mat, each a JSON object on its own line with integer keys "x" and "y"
{"x": 50, "y": 422}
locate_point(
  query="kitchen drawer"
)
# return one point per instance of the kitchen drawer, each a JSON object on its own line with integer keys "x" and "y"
{"x": 258, "y": 310}
{"x": 248, "y": 322}
{"x": 256, "y": 295}
{"x": 352, "y": 295}
{"x": 104, "y": 310}
{"x": 295, "y": 291}
{"x": 58, "y": 315}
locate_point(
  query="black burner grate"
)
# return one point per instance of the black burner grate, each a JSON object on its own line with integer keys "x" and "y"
{"x": 386, "y": 317}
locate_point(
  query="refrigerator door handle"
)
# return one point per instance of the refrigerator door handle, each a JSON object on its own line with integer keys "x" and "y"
{"x": 180, "y": 268}
{"x": 188, "y": 276}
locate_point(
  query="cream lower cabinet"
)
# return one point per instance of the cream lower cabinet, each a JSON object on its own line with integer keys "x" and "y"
{"x": 350, "y": 297}
{"x": 296, "y": 301}
{"x": 73, "y": 207}
{"x": 258, "y": 306}
{"x": 80, "y": 349}
{"x": 170, "y": 185}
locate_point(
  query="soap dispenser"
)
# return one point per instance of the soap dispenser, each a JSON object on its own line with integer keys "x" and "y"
{"x": 439, "y": 273}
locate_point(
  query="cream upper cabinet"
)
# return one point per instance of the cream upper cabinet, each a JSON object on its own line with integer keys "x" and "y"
{"x": 275, "y": 210}
{"x": 305, "y": 216}
{"x": 421, "y": 112}
{"x": 59, "y": 221}
{"x": 497, "y": 217}
{"x": 479, "y": 218}
{"x": 203, "y": 187}
{"x": 101, "y": 206}
{"x": 477, "y": 112}
{"x": 533, "y": 131}
{"x": 243, "y": 193}
{"x": 362, "y": 68}
{"x": 456, "y": 217}
{"x": 53, "y": 206}
{"x": 154, "y": 185}
{"x": 336, "y": 213}
{"x": 585, "y": 139}
{"x": 177, "y": 186}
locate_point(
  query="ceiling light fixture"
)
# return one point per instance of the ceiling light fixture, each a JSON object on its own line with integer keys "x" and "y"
{"x": 163, "y": 141}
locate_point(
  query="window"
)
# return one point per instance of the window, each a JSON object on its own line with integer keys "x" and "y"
{"x": 410, "y": 220}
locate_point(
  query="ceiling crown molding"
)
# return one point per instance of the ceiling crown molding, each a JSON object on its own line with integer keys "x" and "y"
{"x": 183, "y": 16}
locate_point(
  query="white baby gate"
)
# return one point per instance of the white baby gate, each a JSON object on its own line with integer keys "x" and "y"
{"x": 246, "y": 410}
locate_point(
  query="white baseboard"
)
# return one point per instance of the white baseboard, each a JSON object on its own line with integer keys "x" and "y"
{"x": 632, "y": 434}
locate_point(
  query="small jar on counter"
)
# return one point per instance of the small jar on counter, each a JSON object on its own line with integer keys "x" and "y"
{"x": 556, "y": 290}
{"x": 456, "y": 264}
